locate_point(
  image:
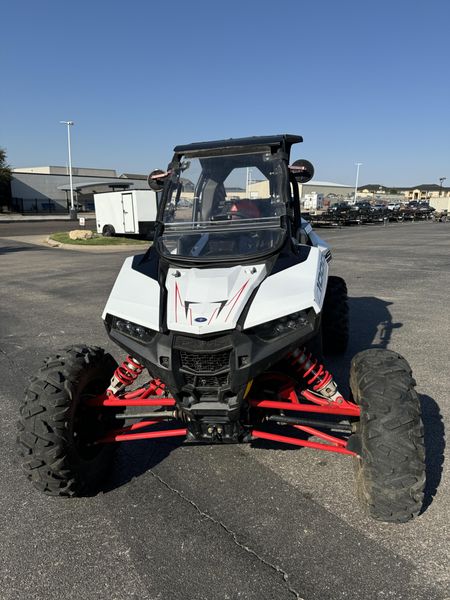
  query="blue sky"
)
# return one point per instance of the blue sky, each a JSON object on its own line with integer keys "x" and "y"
{"x": 361, "y": 81}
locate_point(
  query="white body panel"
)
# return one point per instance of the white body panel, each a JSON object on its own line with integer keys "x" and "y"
{"x": 134, "y": 297}
{"x": 316, "y": 240}
{"x": 125, "y": 210}
{"x": 203, "y": 301}
{"x": 299, "y": 287}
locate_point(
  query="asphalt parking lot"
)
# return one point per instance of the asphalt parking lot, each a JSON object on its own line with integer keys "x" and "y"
{"x": 226, "y": 522}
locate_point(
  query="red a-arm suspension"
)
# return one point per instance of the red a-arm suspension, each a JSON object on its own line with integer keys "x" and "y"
{"x": 323, "y": 398}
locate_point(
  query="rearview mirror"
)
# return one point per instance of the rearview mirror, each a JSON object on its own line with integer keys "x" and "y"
{"x": 156, "y": 179}
{"x": 302, "y": 170}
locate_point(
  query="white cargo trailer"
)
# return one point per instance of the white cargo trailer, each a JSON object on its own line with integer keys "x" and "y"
{"x": 313, "y": 201}
{"x": 130, "y": 212}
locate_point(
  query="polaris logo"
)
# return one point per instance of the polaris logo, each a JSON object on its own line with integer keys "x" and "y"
{"x": 200, "y": 319}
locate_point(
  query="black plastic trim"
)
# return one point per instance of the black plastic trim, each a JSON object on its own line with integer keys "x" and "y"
{"x": 261, "y": 355}
{"x": 284, "y": 140}
{"x": 288, "y": 258}
{"x": 147, "y": 264}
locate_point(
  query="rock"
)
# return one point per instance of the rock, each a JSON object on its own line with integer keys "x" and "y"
{"x": 80, "y": 234}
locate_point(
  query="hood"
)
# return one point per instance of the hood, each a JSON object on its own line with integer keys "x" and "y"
{"x": 202, "y": 301}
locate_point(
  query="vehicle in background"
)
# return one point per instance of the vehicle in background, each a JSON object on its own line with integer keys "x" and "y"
{"x": 132, "y": 212}
{"x": 313, "y": 201}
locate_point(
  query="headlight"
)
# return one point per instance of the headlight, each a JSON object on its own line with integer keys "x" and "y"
{"x": 282, "y": 326}
{"x": 132, "y": 330}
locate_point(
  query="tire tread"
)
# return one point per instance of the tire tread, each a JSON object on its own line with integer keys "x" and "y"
{"x": 43, "y": 429}
{"x": 391, "y": 471}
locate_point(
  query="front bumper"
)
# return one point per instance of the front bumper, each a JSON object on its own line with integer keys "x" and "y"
{"x": 207, "y": 375}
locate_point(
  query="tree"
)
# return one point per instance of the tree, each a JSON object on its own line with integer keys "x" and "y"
{"x": 5, "y": 178}
{"x": 5, "y": 171}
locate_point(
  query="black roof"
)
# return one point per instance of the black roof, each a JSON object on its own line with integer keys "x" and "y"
{"x": 284, "y": 140}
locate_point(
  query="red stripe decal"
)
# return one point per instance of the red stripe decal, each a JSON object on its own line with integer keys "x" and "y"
{"x": 212, "y": 316}
{"x": 177, "y": 297}
{"x": 238, "y": 296}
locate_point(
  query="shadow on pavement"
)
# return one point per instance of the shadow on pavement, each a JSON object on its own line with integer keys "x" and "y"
{"x": 371, "y": 326}
{"x": 371, "y": 323}
{"x": 136, "y": 458}
{"x": 11, "y": 249}
{"x": 434, "y": 437}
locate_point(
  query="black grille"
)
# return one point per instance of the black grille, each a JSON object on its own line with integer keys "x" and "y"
{"x": 205, "y": 370}
{"x": 205, "y": 363}
{"x": 206, "y": 380}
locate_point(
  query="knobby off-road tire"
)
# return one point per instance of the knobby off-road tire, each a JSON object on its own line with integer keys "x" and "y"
{"x": 55, "y": 426}
{"x": 390, "y": 473}
{"x": 335, "y": 317}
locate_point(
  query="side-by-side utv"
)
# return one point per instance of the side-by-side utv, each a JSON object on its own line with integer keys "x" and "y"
{"x": 225, "y": 320}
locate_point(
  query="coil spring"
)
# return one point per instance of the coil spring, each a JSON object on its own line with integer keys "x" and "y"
{"x": 128, "y": 371}
{"x": 309, "y": 367}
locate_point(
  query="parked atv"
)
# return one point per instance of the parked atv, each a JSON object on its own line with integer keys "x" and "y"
{"x": 225, "y": 319}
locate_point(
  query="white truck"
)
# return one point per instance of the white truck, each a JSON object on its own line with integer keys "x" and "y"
{"x": 130, "y": 212}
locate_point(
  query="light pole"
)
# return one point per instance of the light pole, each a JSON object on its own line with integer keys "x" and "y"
{"x": 72, "y": 212}
{"x": 441, "y": 181}
{"x": 248, "y": 182}
{"x": 356, "y": 182}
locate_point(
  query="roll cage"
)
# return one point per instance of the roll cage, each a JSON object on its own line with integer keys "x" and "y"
{"x": 218, "y": 159}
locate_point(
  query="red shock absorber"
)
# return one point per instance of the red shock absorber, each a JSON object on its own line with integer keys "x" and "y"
{"x": 315, "y": 374}
{"x": 124, "y": 375}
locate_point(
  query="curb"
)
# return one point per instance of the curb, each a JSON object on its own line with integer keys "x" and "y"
{"x": 119, "y": 248}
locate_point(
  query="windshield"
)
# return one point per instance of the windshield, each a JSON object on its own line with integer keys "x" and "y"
{"x": 222, "y": 207}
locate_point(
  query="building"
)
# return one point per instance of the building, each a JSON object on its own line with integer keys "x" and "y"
{"x": 423, "y": 193}
{"x": 47, "y": 189}
{"x": 373, "y": 190}
{"x": 426, "y": 191}
{"x": 337, "y": 191}
{"x": 323, "y": 192}
{"x": 330, "y": 189}
{"x": 82, "y": 171}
